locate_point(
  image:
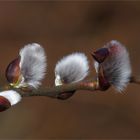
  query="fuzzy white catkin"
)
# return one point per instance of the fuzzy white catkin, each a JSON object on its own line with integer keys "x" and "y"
{"x": 33, "y": 65}
{"x": 71, "y": 68}
{"x": 12, "y": 96}
{"x": 117, "y": 68}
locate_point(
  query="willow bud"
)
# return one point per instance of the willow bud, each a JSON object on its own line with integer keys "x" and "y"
{"x": 8, "y": 98}
{"x": 113, "y": 66}
{"x": 71, "y": 69}
{"x": 29, "y": 68}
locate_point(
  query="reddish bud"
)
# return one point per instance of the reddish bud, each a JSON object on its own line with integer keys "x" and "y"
{"x": 65, "y": 95}
{"x": 4, "y": 104}
{"x": 103, "y": 82}
{"x": 101, "y": 54}
{"x": 13, "y": 71}
{"x": 8, "y": 98}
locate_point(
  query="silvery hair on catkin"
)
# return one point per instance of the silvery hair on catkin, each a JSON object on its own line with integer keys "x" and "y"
{"x": 33, "y": 64}
{"x": 71, "y": 68}
{"x": 117, "y": 66}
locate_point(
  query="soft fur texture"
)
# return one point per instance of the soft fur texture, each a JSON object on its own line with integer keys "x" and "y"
{"x": 12, "y": 96}
{"x": 33, "y": 65}
{"x": 72, "y": 68}
{"x": 116, "y": 67}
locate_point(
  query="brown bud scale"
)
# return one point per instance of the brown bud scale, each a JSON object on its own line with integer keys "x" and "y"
{"x": 13, "y": 72}
{"x": 4, "y": 104}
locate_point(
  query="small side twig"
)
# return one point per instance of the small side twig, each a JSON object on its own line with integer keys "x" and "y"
{"x": 135, "y": 80}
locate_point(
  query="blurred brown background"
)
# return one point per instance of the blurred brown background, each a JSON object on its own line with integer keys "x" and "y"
{"x": 64, "y": 27}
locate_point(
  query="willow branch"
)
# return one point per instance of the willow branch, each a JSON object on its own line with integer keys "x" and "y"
{"x": 55, "y": 91}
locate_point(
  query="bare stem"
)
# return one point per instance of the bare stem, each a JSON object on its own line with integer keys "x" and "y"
{"x": 55, "y": 91}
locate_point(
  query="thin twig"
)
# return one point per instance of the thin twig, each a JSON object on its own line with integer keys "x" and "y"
{"x": 135, "y": 80}
{"x": 55, "y": 91}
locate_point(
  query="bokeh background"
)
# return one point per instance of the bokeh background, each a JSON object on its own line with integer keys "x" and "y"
{"x": 63, "y": 27}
